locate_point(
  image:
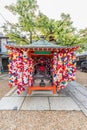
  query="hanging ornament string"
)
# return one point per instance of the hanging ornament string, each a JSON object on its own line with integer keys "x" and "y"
{"x": 55, "y": 68}
{"x": 30, "y": 70}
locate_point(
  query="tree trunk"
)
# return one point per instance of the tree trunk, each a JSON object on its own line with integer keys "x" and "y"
{"x": 30, "y": 36}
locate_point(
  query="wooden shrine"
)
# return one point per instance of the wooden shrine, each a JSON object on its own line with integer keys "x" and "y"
{"x": 41, "y": 65}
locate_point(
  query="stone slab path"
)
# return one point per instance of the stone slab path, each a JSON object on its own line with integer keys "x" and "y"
{"x": 74, "y": 97}
{"x": 11, "y": 103}
{"x": 78, "y": 94}
{"x": 39, "y": 100}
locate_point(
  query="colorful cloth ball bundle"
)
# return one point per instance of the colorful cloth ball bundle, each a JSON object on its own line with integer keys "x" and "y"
{"x": 20, "y": 70}
{"x": 64, "y": 67}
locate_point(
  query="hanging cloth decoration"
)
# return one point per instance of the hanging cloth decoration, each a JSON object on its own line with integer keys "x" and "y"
{"x": 64, "y": 68}
{"x": 12, "y": 67}
{"x": 25, "y": 70}
{"x": 19, "y": 72}
{"x": 30, "y": 70}
{"x": 55, "y": 64}
{"x": 71, "y": 66}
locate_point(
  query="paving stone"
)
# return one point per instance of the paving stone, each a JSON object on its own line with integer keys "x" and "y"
{"x": 81, "y": 106}
{"x": 35, "y": 103}
{"x": 11, "y": 103}
{"x": 11, "y": 92}
{"x": 47, "y": 93}
{"x": 62, "y": 103}
{"x": 81, "y": 97}
{"x": 74, "y": 83}
{"x": 15, "y": 94}
{"x": 4, "y": 78}
{"x": 40, "y": 93}
{"x": 77, "y": 85}
{"x": 82, "y": 90}
{"x": 85, "y": 104}
{"x": 3, "y": 75}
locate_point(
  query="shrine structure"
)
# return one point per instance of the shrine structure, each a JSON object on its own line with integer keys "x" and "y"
{"x": 41, "y": 65}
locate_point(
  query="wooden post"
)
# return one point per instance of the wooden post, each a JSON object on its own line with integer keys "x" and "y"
{"x": 54, "y": 89}
{"x": 29, "y": 90}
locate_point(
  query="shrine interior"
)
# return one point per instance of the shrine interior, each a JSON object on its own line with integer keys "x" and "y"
{"x": 42, "y": 75}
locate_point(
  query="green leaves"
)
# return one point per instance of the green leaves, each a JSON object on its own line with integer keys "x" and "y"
{"x": 25, "y": 10}
{"x": 33, "y": 25}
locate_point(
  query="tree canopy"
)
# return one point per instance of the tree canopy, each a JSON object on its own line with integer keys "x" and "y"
{"x": 25, "y": 10}
{"x": 34, "y": 23}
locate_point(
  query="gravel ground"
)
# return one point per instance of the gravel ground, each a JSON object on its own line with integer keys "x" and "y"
{"x": 4, "y": 88}
{"x": 42, "y": 120}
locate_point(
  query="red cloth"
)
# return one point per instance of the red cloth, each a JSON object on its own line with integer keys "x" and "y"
{"x": 42, "y": 68}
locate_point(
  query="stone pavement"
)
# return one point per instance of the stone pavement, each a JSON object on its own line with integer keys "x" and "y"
{"x": 79, "y": 95}
{"x": 74, "y": 97}
{"x": 3, "y": 76}
{"x": 39, "y": 100}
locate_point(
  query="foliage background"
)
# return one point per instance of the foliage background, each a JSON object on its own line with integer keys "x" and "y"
{"x": 32, "y": 23}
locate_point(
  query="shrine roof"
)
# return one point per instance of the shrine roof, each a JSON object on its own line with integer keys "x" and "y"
{"x": 41, "y": 45}
{"x": 38, "y": 44}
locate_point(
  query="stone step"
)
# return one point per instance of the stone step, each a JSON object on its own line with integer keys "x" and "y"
{"x": 78, "y": 95}
{"x": 81, "y": 106}
{"x": 82, "y": 89}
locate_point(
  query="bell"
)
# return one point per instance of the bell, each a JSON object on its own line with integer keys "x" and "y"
{"x": 42, "y": 84}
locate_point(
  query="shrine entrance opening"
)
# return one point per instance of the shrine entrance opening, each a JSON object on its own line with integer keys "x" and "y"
{"x": 42, "y": 75}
